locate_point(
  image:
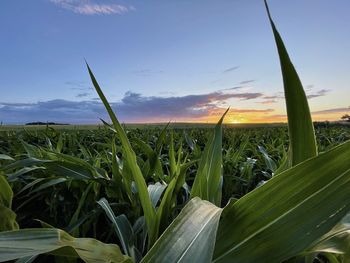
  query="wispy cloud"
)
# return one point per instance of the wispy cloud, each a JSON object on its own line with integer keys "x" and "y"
{"x": 270, "y": 99}
{"x": 78, "y": 85}
{"x": 230, "y": 69}
{"x": 267, "y": 101}
{"x": 321, "y": 115}
{"x": 235, "y": 88}
{"x": 319, "y": 93}
{"x": 247, "y": 81}
{"x": 82, "y": 95}
{"x": 87, "y": 7}
{"x": 333, "y": 110}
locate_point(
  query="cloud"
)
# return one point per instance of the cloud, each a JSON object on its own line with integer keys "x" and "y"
{"x": 309, "y": 87}
{"x": 252, "y": 110}
{"x": 166, "y": 93}
{"x": 321, "y": 115}
{"x": 333, "y": 110}
{"x": 133, "y": 107}
{"x": 246, "y": 81}
{"x": 230, "y": 69}
{"x": 87, "y": 7}
{"x": 267, "y": 101}
{"x": 82, "y": 95}
{"x": 319, "y": 93}
{"x": 234, "y": 88}
{"x": 273, "y": 97}
{"x": 78, "y": 85}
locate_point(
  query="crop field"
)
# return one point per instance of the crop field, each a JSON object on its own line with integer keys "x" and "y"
{"x": 178, "y": 192}
{"x": 62, "y": 176}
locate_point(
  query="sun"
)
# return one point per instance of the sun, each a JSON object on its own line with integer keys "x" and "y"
{"x": 235, "y": 121}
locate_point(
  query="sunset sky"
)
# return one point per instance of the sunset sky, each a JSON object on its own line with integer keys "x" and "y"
{"x": 178, "y": 61}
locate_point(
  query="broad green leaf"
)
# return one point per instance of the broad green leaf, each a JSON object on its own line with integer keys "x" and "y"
{"x": 155, "y": 192}
{"x": 6, "y": 157}
{"x": 5, "y": 193}
{"x": 7, "y": 216}
{"x": 190, "y": 237}
{"x": 12, "y": 177}
{"x": 335, "y": 241}
{"x": 300, "y": 127}
{"x": 208, "y": 181}
{"x": 130, "y": 157}
{"x": 283, "y": 217}
{"x": 122, "y": 228}
{"x": 7, "y": 219}
{"x": 48, "y": 184}
{"x": 270, "y": 164}
{"x": 24, "y": 163}
{"x": 165, "y": 207}
{"x": 31, "y": 242}
{"x": 30, "y": 185}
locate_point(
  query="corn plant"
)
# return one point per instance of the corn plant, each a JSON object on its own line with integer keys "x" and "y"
{"x": 296, "y": 216}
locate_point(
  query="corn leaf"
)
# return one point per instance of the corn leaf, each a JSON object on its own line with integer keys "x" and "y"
{"x": 300, "y": 127}
{"x": 7, "y": 219}
{"x": 6, "y": 157}
{"x": 7, "y": 216}
{"x": 190, "y": 237}
{"x": 155, "y": 192}
{"x": 335, "y": 241}
{"x": 122, "y": 228}
{"x": 31, "y": 242}
{"x": 208, "y": 181}
{"x": 5, "y": 192}
{"x": 130, "y": 156}
{"x": 283, "y": 217}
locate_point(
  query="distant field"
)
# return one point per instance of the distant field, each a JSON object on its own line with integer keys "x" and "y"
{"x": 137, "y": 126}
{"x": 157, "y": 125}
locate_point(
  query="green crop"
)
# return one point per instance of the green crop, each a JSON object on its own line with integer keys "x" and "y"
{"x": 178, "y": 195}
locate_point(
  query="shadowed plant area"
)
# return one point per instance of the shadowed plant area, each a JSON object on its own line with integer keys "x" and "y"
{"x": 116, "y": 194}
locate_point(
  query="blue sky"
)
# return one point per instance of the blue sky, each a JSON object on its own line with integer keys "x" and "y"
{"x": 160, "y": 61}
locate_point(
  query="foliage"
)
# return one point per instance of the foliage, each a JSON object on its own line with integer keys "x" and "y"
{"x": 178, "y": 195}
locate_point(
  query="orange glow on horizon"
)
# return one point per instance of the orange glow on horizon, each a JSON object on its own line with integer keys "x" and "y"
{"x": 250, "y": 116}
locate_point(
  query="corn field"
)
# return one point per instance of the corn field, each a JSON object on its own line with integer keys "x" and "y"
{"x": 167, "y": 194}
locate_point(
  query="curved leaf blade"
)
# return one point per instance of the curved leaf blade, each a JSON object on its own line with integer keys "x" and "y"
{"x": 31, "y": 242}
{"x": 190, "y": 237}
{"x": 130, "y": 156}
{"x": 271, "y": 220}
{"x": 301, "y": 130}
{"x": 208, "y": 181}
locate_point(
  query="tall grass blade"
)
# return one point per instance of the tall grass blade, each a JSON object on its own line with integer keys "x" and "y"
{"x": 208, "y": 181}
{"x": 130, "y": 157}
{"x": 301, "y": 130}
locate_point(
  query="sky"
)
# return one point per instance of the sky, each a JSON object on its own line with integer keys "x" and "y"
{"x": 178, "y": 60}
